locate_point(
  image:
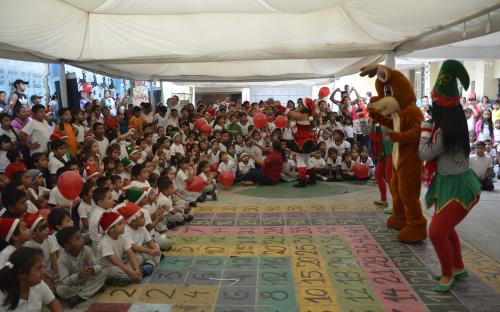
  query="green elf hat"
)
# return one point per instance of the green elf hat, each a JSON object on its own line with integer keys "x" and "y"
{"x": 126, "y": 162}
{"x": 135, "y": 194}
{"x": 445, "y": 92}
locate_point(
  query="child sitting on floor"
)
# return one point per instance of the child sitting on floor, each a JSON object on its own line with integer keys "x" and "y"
{"x": 146, "y": 250}
{"x": 80, "y": 275}
{"x": 113, "y": 248}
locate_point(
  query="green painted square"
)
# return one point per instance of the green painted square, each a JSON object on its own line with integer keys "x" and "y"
{"x": 275, "y": 263}
{"x": 176, "y": 262}
{"x": 275, "y": 278}
{"x": 242, "y": 263}
{"x": 276, "y": 296}
{"x": 208, "y": 263}
{"x": 277, "y": 309}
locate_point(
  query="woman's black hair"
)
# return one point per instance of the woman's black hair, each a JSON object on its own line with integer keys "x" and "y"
{"x": 61, "y": 121}
{"x": 136, "y": 170}
{"x": 201, "y": 165}
{"x": 490, "y": 122}
{"x": 453, "y": 127}
{"x": 277, "y": 147}
{"x": 23, "y": 259}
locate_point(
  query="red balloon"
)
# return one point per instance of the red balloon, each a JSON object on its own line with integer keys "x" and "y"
{"x": 226, "y": 178}
{"x": 259, "y": 120}
{"x": 87, "y": 87}
{"x": 361, "y": 171}
{"x": 323, "y": 92}
{"x": 196, "y": 185}
{"x": 70, "y": 184}
{"x": 207, "y": 129}
{"x": 200, "y": 122}
{"x": 281, "y": 121}
{"x": 214, "y": 167}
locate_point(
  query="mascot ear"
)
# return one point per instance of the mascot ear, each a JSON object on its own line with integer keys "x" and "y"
{"x": 383, "y": 74}
{"x": 370, "y": 70}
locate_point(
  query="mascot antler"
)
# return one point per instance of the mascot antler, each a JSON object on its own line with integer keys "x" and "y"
{"x": 383, "y": 73}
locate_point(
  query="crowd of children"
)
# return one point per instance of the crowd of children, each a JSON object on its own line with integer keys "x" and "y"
{"x": 137, "y": 166}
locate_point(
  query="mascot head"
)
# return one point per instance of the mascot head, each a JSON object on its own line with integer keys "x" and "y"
{"x": 395, "y": 91}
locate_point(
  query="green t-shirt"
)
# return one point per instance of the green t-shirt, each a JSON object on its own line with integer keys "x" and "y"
{"x": 235, "y": 127}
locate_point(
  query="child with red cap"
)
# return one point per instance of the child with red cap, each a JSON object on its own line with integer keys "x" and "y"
{"x": 147, "y": 251}
{"x": 114, "y": 251}
{"x": 15, "y": 233}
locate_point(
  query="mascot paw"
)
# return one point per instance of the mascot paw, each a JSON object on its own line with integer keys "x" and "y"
{"x": 412, "y": 234}
{"x": 396, "y": 223}
{"x": 374, "y": 114}
{"x": 393, "y": 136}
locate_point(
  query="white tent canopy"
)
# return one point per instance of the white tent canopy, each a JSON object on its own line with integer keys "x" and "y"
{"x": 234, "y": 40}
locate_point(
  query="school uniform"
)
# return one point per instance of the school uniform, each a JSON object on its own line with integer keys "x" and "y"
{"x": 141, "y": 237}
{"x": 117, "y": 247}
{"x": 48, "y": 246}
{"x": 39, "y": 295}
{"x": 161, "y": 239}
{"x": 94, "y": 233}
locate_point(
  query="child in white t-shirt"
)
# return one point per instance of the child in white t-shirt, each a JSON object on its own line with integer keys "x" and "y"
{"x": 318, "y": 163}
{"x": 40, "y": 239}
{"x": 114, "y": 251}
{"x": 347, "y": 167}
{"x": 145, "y": 248}
{"x": 226, "y": 165}
{"x": 334, "y": 163}
{"x": 205, "y": 173}
{"x": 28, "y": 262}
{"x": 367, "y": 160}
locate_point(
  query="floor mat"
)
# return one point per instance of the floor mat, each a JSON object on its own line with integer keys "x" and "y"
{"x": 279, "y": 259}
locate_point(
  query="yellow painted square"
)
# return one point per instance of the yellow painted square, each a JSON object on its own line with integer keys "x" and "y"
{"x": 213, "y": 250}
{"x": 330, "y": 308}
{"x": 311, "y": 296}
{"x": 127, "y": 294}
{"x": 307, "y": 262}
{"x": 155, "y": 293}
{"x": 197, "y": 295}
{"x": 184, "y": 250}
{"x": 275, "y": 250}
{"x": 244, "y": 251}
{"x": 191, "y": 308}
{"x": 311, "y": 277}
{"x": 205, "y": 208}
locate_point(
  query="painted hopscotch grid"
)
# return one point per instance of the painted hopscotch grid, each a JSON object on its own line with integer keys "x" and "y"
{"x": 296, "y": 261}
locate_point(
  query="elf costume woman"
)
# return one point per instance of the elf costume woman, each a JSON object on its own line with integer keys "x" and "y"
{"x": 453, "y": 187}
{"x": 304, "y": 141}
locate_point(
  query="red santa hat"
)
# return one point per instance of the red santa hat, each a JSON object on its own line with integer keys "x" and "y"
{"x": 32, "y": 220}
{"x": 108, "y": 219}
{"x": 7, "y": 228}
{"x": 309, "y": 103}
{"x": 130, "y": 212}
{"x": 90, "y": 171}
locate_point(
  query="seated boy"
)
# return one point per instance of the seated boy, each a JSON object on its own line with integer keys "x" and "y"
{"x": 80, "y": 277}
{"x": 103, "y": 201}
{"x": 482, "y": 165}
{"x": 112, "y": 249}
{"x": 146, "y": 250}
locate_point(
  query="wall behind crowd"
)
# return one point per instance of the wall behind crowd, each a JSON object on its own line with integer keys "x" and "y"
{"x": 35, "y": 73}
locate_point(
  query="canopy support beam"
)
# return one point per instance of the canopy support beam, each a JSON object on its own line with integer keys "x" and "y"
{"x": 63, "y": 85}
